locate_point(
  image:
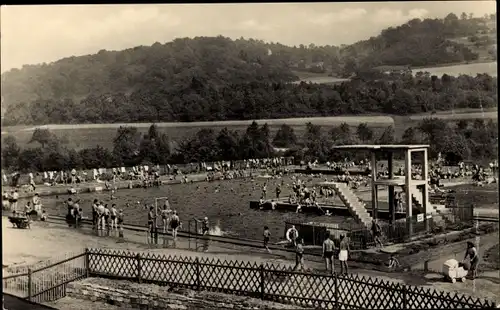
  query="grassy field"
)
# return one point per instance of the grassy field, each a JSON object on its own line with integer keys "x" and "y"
{"x": 468, "y": 69}
{"x": 489, "y": 67}
{"x": 90, "y": 135}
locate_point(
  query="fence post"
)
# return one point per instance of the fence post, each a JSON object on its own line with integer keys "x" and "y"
{"x": 405, "y": 297}
{"x": 336, "y": 291}
{"x": 30, "y": 284}
{"x": 139, "y": 278}
{"x": 198, "y": 273}
{"x": 262, "y": 283}
{"x": 87, "y": 263}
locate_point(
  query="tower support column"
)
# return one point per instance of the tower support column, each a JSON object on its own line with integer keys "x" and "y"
{"x": 392, "y": 209}
{"x": 408, "y": 200}
{"x": 425, "y": 189}
{"x": 373, "y": 185}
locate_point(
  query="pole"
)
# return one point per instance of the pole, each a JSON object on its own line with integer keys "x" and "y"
{"x": 408, "y": 184}
{"x": 390, "y": 166}
{"x": 30, "y": 284}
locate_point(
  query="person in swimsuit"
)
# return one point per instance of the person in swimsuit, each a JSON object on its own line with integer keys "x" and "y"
{"x": 164, "y": 215}
{"x": 37, "y": 203}
{"x": 328, "y": 249}
{"x": 343, "y": 254}
{"x": 14, "y": 197}
{"x": 267, "y": 237}
{"x": 114, "y": 213}
{"x": 299, "y": 254}
{"x": 174, "y": 224}
{"x": 76, "y": 214}
{"x": 120, "y": 219}
{"x": 94, "y": 213}
{"x": 151, "y": 221}
{"x": 100, "y": 216}
{"x": 107, "y": 214}
{"x": 205, "y": 230}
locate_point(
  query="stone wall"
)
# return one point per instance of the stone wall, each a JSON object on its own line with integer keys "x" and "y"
{"x": 149, "y": 296}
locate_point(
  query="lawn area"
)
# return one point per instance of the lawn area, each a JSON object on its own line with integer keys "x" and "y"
{"x": 90, "y": 135}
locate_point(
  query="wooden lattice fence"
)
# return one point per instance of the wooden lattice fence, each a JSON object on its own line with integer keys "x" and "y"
{"x": 47, "y": 283}
{"x": 271, "y": 282}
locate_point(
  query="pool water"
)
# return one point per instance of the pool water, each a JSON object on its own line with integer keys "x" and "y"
{"x": 225, "y": 203}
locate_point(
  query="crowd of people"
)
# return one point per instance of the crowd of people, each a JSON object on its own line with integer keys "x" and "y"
{"x": 144, "y": 173}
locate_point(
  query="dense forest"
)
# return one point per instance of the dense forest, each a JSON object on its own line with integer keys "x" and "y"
{"x": 461, "y": 140}
{"x": 370, "y": 92}
{"x": 216, "y": 78}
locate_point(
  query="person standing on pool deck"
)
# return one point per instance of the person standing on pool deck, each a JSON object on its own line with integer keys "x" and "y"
{"x": 343, "y": 254}
{"x": 164, "y": 215}
{"x": 474, "y": 258}
{"x": 15, "y": 197}
{"x": 328, "y": 250}
{"x": 174, "y": 224}
{"x": 100, "y": 216}
{"x": 107, "y": 215}
{"x": 120, "y": 219}
{"x": 205, "y": 230}
{"x": 267, "y": 237}
{"x": 299, "y": 254}
{"x": 278, "y": 191}
{"x": 293, "y": 235}
{"x": 94, "y": 214}
{"x": 151, "y": 222}
{"x": 114, "y": 213}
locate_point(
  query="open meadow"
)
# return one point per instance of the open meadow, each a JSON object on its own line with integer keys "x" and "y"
{"x": 81, "y": 136}
{"x": 472, "y": 69}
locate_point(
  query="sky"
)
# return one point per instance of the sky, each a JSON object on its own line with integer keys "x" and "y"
{"x": 36, "y": 34}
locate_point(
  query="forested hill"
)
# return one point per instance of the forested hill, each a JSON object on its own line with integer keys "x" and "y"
{"x": 428, "y": 42}
{"x": 216, "y": 78}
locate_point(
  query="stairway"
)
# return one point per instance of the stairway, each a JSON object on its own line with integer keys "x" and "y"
{"x": 437, "y": 211}
{"x": 352, "y": 202}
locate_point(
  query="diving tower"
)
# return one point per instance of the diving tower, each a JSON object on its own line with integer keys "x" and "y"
{"x": 416, "y": 190}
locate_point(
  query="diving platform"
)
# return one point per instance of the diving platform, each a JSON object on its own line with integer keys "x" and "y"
{"x": 333, "y": 210}
{"x": 397, "y": 181}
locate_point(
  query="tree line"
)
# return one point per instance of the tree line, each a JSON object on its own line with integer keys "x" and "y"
{"x": 456, "y": 141}
{"x": 369, "y": 92}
